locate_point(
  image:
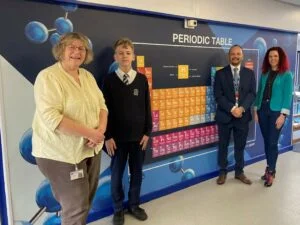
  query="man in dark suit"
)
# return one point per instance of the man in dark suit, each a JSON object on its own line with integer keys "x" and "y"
{"x": 234, "y": 91}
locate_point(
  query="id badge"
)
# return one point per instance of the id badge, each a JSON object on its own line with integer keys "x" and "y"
{"x": 76, "y": 174}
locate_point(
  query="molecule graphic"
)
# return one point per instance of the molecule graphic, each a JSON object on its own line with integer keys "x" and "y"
{"x": 38, "y": 33}
{"x": 113, "y": 67}
{"x": 44, "y": 197}
{"x": 176, "y": 166}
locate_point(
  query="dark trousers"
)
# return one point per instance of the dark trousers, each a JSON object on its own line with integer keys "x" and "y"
{"x": 135, "y": 155}
{"x": 240, "y": 133}
{"x": 270, "y": 133}
{"x": 74, "y": 196}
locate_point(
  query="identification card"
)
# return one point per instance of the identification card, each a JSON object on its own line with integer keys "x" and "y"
{"x": 76, "y": 174}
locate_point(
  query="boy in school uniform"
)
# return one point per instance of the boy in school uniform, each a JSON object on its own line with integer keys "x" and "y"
{"x": 129, "y": 125}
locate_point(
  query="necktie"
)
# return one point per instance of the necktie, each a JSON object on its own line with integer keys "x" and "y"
{"x": 236, "y": 83}
{"x": 125, "y": 79}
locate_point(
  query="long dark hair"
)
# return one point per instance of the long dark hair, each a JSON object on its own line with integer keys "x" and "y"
{"x": 283, "y": 60}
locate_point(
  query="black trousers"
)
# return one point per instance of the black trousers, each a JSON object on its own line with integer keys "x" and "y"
{"x": 135, "y": 155}
{"x": 240, "y": 133}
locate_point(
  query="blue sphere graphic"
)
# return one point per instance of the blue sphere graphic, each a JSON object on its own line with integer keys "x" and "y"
{"x": 52, "y": 220}
{"x": 281, "y": 139}
{"x": 63, "y": 25}
{"x": 102, "y": 198}
{"x": 188, "y": 174}
{"x": 176, "y": 164}
{"x": 21, "y": 222}
{"x": 274, "y": 42}
{"x": 36, "y": 32}
{"x": 230, "y": 158}
{"x": 113, "y": 67}
{"x": 25, "y": 147}
{"x": 44, "y": 198}
{"x": 90, "y": 43}
{"x": 288, "y": 41}
{"x": 261, "y": 45}
{"x": 54, "y": 38}
{"x": 69, "y": 7}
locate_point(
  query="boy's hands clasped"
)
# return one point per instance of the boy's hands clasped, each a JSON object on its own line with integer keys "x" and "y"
{"x": 111, "y": 146}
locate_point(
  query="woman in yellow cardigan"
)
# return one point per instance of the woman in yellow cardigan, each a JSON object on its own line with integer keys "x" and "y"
{"x": 272, "y": 105}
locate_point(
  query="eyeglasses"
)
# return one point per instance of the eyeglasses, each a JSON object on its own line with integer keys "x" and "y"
{"x": 73, "y": 48}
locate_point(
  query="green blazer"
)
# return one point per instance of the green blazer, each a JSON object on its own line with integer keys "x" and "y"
{"x": 282, "y": 89}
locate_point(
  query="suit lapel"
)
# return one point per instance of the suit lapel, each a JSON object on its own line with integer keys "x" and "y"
{"x": 242, "y": 79}
{"x": 229, "y": 78}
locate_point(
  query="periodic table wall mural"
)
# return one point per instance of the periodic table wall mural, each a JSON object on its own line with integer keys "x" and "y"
{"x": 180, "y": 65}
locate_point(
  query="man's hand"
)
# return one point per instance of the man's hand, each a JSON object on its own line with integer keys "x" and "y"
{"x": 111, "y": 146}
{"x": 144, "y": 142}
{"x": 237, "y": 112}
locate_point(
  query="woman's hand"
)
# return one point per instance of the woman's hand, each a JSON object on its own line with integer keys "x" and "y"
{"x": 96, "y": 136}
{"x": 280, "y": 121}
{"x": 255, "y": 116}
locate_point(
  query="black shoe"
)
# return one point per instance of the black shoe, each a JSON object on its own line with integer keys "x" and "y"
{"x": 118, "y": 218}
{"x": 138, "y": 213}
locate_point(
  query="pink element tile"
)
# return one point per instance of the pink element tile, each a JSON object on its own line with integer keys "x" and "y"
{"x": 180, "y": 145}
{"x": 192, "y": 133}
{"x": 155, "y": 126}
{"x": 175, "y": 147}
{"x": 186, "y": 144}
{"x": 155, "y": 115}
{"x": 168, "y": 138}
{"x": 186, "y": 135}
{"x": 174, "y": 137}
{"x": 162, "y": 150}
{"x": 180, "y": 136}
{"x": 192, "y": 143}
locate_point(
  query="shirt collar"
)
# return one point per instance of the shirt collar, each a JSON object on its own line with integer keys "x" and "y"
{"x": 130, "y": 73}
{"x": 232, "y": 67}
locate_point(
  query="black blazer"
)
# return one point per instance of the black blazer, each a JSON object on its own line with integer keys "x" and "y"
{"x": 225, "y": 97}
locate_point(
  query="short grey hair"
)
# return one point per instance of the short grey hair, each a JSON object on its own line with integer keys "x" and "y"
{"x": 59, "y": 49}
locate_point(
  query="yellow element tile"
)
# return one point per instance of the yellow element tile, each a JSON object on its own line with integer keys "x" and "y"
{"x": 162, "y": 104}
{"x": 174, "y": 123}
{"x": 162, "y": 125}
{"x": 181, "y": 92}
{"x": 155, "y": 94}
{"x": 174, "y": 103}
{"x": 168, "y": 124}
{"x": 155, "y": 105}
{"x": 180, "y": 122}
{"x": 162, "y": 114}
{"x": 186, "y": 121}
{"x": 183, "y": 72}
{"x": 175, "y": 93}
{"x": 140, "y": 61}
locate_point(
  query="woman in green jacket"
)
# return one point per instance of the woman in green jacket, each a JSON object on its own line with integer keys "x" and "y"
{"x": 272, "y": 105}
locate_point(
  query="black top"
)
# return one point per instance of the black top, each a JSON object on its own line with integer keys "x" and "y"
{"x": 129, "y": 117}
{"x": 268, "y": 88}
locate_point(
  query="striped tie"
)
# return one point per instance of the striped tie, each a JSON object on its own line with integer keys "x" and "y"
{"x": 125, "y": 79}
